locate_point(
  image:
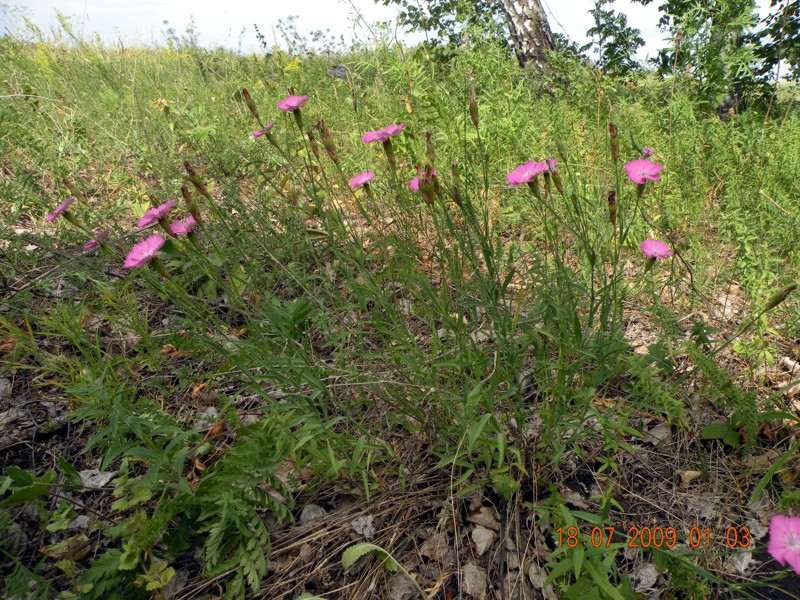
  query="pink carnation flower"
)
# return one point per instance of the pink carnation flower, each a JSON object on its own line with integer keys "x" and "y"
{"x": 784, "y": 540}
{"x": 61, "y": 208}
{"x": 143, "y": 252}
{"x": 526, "y": 172}
{"x": 655, "y": 249}
{"x": 183, "y": 227}
{"x": 154, "y": 214}
{"x": 647, "y": 151}
{"x": 382, "y": 135}
{"x": 414, "y": 183}
{"x": 267, "y": 128}
{"x": 292, "y": 103}
{"x": 642, "y": 169}
{"x": 394, "y": 129}
{"x": 362, "y": 178}
{"x": 93, "y": 243}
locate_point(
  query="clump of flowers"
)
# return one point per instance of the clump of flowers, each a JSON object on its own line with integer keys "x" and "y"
{"x": 414, "y": 183}
{"x": 97, "y": 240}
{"x": 784, "y": 541}
{"x": 158, "y": 213}
{"x": 146, "y": 252}
{"x": 61, "y": 209}
{"x": 641, "y": 171}
{"x": 528, "y": 173}
{"x": 266, "y": 129}
{"x": 428, "y": 184}
{"x": 184, "y": 227}
{"x": 362, "y": 179}
{"x": 292, "y": 103}
{"x": 383, "y": 135}
{"x": 654, "y": 250}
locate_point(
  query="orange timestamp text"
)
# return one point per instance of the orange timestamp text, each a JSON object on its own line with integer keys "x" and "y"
{"x": 655, "y": 537}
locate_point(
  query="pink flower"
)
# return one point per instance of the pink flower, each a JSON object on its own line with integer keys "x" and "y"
{"x": 551, "y": 164}
{"x": 382, "y": 135}
{"x": 61, "y": 208}
{"x": 394, "y": 129}
{"x": 641, "y": 170}
{"x": 143, "y": 252}
{"x": 154, "y": 214}
{"x": 526, "y": 172}
{"x": 267, "y": 128}
{"x": 292, "y": 103}
{"x": 784, "y": 540}
{"x": 183, "y": 227}
{"x": 362, "y": 178}
{"x": 93, "y": 243}
{"x": 655, "y": 249}
{"x": 414, "y": 183}
{"x": 647, "y": 151}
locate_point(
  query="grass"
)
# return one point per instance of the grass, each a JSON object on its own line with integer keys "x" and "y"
{"x": 414, "y": 364}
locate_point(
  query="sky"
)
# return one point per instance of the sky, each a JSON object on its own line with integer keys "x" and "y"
{"x": 137, "y": 22}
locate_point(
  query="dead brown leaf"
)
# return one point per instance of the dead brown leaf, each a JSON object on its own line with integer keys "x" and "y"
{"x": 687, "y": 477}
{"x": 436, "y": 547}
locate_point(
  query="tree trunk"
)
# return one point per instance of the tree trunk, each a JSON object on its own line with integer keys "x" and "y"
{"x": 530, "y": 31}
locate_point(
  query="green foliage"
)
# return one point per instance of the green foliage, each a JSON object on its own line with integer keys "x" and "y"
{"x": 615, "y": 41}
{"x": 107, "y": 580}
{"x": 229, "y": 498}
{"x": 354, "y": 553}
{"x": 722, "y": 46}
{"x": 321, "y": 318}
{"x": 722, "y": 390}
{"x": 779, "y": 39}
{"x": 447, "y": 19}
{"x": 581, "y": 567}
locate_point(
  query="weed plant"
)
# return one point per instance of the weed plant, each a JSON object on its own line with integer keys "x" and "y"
{"x": 473, "y": 290}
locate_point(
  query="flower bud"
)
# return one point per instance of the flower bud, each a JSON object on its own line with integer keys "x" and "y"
{"x": 197, "y": 182}
{"x": 612, "y": 208}
{"x": 473, "y": 107}
{"x": 327, "y": 140}
{"x": 429, "y": 147}
{"x": 191, "y": 204}
{"x": 456, "y": 189}
{"x": 428, "y": 184}
{"x": 313, "y": 143}
{"x": 779, "y": 297}
{"x": 612, "y": 130}
{"x": 249, "y": 101}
